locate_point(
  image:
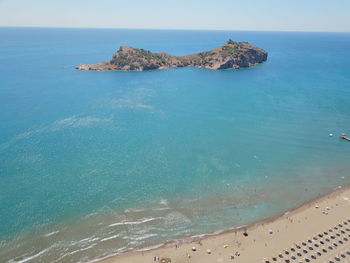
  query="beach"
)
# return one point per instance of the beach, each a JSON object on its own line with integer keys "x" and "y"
{"x": 317, "y": 231}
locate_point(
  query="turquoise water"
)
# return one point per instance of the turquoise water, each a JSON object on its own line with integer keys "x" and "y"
{"x": 98, "y": 163}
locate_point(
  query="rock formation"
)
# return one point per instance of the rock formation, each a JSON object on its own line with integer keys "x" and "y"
{"x": 232, "y": 55}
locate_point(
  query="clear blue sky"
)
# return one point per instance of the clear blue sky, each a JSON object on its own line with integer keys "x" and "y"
{"x": 286, "y": 15}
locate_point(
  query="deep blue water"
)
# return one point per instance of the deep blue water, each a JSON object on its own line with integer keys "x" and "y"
{"x": 96, "y": 163}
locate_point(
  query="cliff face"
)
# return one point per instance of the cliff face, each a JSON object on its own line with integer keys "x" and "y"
{"x": 231, "y": 55}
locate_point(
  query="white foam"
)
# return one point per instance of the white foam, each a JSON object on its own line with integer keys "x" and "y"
{"x": 116, "y": 252}
{"x": 141, "y": 221}
{"x": 82, "y": 249}
{"x": 111, "y": 237}
{"x": 85, "y": 240}
{"x": 133, "y": 210}
{"x": 163, "y": 202}
{"x": 160, "y": 208}
{"x": 51, "y": 233}
{"x": 150, "y": 248}
{"x": 31, "y": 257}
{"x": 144, "y": 237}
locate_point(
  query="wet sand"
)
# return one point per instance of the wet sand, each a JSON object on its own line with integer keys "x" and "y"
{"x": 317, "y": 231}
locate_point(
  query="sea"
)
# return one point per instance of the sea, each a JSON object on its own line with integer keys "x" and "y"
{"x": 98, "y": 163}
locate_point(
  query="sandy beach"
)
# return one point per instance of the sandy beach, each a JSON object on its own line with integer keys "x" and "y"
{"x": 317, "y": 231}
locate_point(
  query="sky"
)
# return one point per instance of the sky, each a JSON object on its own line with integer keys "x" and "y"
{"x": 275, "y": 15}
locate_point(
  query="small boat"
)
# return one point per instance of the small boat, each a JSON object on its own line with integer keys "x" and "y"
{"x": 345, "y": 137}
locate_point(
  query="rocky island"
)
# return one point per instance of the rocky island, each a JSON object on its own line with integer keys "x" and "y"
{"x": 231, "y": 55}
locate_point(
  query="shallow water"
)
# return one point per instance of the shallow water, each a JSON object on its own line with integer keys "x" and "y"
{"x": 97, "y": 163}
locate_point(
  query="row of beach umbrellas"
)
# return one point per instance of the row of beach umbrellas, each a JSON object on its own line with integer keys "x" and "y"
{"x": 313, "y": 248}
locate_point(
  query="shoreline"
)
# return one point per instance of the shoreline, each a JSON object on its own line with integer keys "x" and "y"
{"x": 139, "y": 255}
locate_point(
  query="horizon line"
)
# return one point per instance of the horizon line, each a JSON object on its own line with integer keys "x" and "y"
{"x": 175, "y": 29}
